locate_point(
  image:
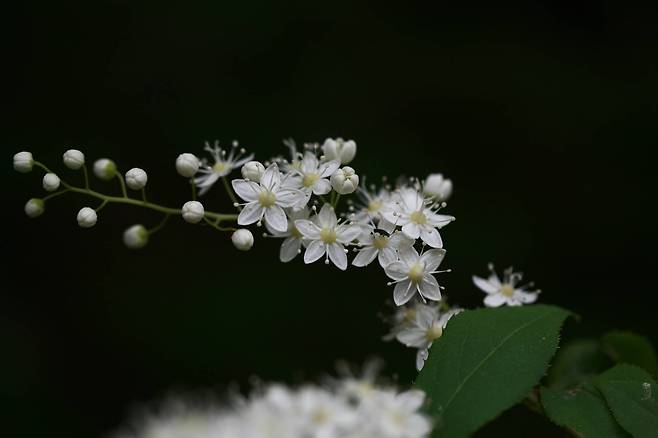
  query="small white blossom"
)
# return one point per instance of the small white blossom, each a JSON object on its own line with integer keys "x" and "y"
{"x": 105, "y": 169}
{"x": 267, "y": 198}
{"x": 252, "y": 171}
{"x": 193, "y": 212}
{"x": 73, "y": 159}
{"x": 50, "y": 182}
{"x": 438, "y": 187}
{"x": 23, "y": 162}
{"x": 413, "y": 273}
{"x": 136, "y": 178}
{"x": 372, "y": 206}
{"x": 293, "y": 238}
{"x": 506, "y": 291}
{"x": 312, "y": 176}
{"x": 187, "y": 165}
{"x": 345, "y": 180}
{"x": 87, "y": 217}
{"x": 223, "y": 165}
{"x": 327, "y": 236}
{"x": 242, "y": 239}
{"x": 136, "y": 237}
{"x": 417, "y": 219}
{"x": 34, "y": 207}
{"x": 381, "y": 246}
{"x": 397, "y": 415}
{"x": 338, "y": 149}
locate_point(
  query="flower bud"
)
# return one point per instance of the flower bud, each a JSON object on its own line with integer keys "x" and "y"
{"x": 193, "y": 212}
{"x": 136, "y": 237}
{"x": 73, "y": 159}
{"x": 438, "y": 187}
{"x": 50, "y": 182}
{"x": 339, "y": 149}
{"x": 87, "y": 217}
{"x": 242, "y": 239}
{"x": 187, "y": 165}
{"x": 136, "y": 178}
{"x": 344, "y": 180}
{"x": 34, "y": 207}
{"x": 23, "y": 162}
{"x": 105, "y": 169}
{"x": 252, "y": 171}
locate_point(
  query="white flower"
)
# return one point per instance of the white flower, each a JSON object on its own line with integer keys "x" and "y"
{"x": 311, "y": 176}
{"x": 373, "y": 205}
{"x": 34, "y": 207}
{"x": 87, "y": 217}
{"x": 327, "y": 236}
{"x": 193, "y": 212}
{"x": 105, "y": 169}
{"x": 323, "y": 415}
{"x": 293, "y": 239}
{"x": 417, "y": 219}
{"x": 136, "y": 237}
{"x": 23, "y": 162}
{"x": 252, "y": 171}
{"x": 136, "y": 178}
{"x": 73, "y": 159}
{"x": 345, "y": 180}
{"x": 223, "y": 165}
{"x": 50, "y": 182}
{"x": 267, "y": 198}
{"x": 398, "y": 416}
{"x": 338, "y": 149}
{"x": 187, "y": 165}
{"x": 438, "y": 187}
{"x": 413, "y": 273}
{"x": 505, "y": 291}
{"x": 242, "y": 239}
{"x": 381, "y": 246}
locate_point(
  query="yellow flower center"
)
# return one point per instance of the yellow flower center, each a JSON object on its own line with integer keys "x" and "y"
{"x": 374, "y": 206}
{"x": 219, "y": 166}
{"x": 434, "y": 332}
{"x": 380, "y": 242}
{"x": 266, "y": 198}
{"x": 328, "y": 235}
{"x": 507, "y": 290}
{"x": 320, "y": 416}
{"x": 418, "y": 217}
{"x": 310, "y": 179}
{"x": 409, "y": 314}
{"x": 416, "y": 272}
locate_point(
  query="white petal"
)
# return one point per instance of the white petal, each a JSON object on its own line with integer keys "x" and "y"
{"x": 365, "y": 257}
{"x": 276, "y": 217}
{"x": 247, "y": 190}
{"x": 290, "y": 248}
{"x": 271, "y": 177}
{"x": 322, "y": 187}
{"x": 387, "y": 256}
{"x": 431, "y": 237}
{"x": 439, "y": 220}
{"x": 409, "y": 256}
{"x": 328, "y": 168}
{"x": 289, "y": 197}
{"x": 411, "y": 400}
{"x": 308, "y": 229}
{"x": 314, "y": 251}
{"x": 327, "y": 216}
{"x": 251, "y": 213}
{"x": 347, "y": 233}
{"x": 413, "y": 337}
{"x": 494, "y": 300}
{"x": 432, "y": 259}
{"x": 525, "y": 297}
{"x": 421, "y": 357}
{"x": 485, "y": 285}
{"x": 411, "y": 230}
{"x": 397, "y": 270}
{"x": 429, "y": 288}
{"x": 426, "y": 315}
{"x": 386, "y": 225}
{"x": 411, "y": 199}
{"x": 337, "y": 255}
{"x": 403, "y": 292}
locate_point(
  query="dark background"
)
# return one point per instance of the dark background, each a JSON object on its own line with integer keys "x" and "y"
{"x": 543, "y": 115}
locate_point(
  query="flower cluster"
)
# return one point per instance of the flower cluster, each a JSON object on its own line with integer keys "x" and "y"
{"x": 348, "y": 407}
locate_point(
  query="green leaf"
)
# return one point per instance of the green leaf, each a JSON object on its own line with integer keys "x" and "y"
{"x": 486, "y": 361}
{"x": 632, "y": 395}
{"x": 582, "y": 410}
{"x": 630, "y": 348}
{"x": 577, "y": 361}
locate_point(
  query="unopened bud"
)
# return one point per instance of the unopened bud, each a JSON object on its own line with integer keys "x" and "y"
{"x": 252, "y": 171}
{"x": 136, "y": 178}
{"x": 187, "y": 165}
{"x": 73, "y": 159}
{"x": 242, "y": 239}
{"x": 23, "y": 162}
{"x": 34, "y": 207}
{"x": 193, "y": 212}
{"x": 136, "y": 237}
{"x": 105, "y": 169}
{"x": 87, "y": 217}
{"x": 345, "y": 180}
{"x": 50, "y": 182}
{"x": 339, "y": 149}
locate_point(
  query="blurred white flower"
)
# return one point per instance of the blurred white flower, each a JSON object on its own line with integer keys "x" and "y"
{"x": 34, "y": 207}
{"x": 187, "y": 165}
{"x": 223, "y": 165}
{"x": 345, "y": 180}
{"x": 413, "y": 273}
{"x": 437, "y": 187}
{"x": 73, "y": 159}
{"x": 23, "y": 162}
{"x": 50, "y": 182}
{"x": 505, "y": 291}
{"x": 87, "y": 217}
{"x": 242, "y": 239}
{"x": 338, "y": 149}
{"x": 136, "y": 237}
{"x": 105, "y": 169}
{"x": 136, "y": 178}
{"x": 327, "y": 236}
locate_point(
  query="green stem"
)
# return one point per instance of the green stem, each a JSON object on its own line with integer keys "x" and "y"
{"x": 54, "y": 195}
{"x": 229, "y": 190}
{"x": 123, "y": 184}
{"x": 336, "y": 199}
{"x": 193, "y": 183}
{"x": 215, "y": 225}
{"x": 160, "y": 225}
{"x": 84, "y": 170}
{"x": 143, "y": 194}
{"x": 100, "y": 207}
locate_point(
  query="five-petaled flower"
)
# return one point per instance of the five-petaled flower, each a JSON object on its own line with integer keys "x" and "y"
{"x": 505, "y": 291}
{"x": 414, "y": 272}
